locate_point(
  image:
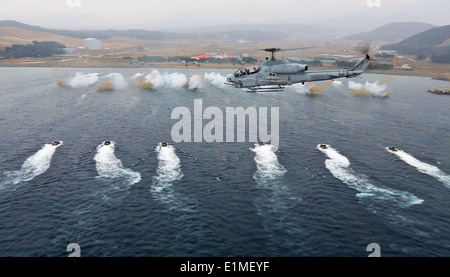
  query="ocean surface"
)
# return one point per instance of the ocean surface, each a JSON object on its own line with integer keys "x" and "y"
{"x": 233, "y": 199}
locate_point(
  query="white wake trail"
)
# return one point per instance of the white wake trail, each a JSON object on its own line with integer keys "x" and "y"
{"x": 275, "y": 202}
{"x": 168, "y": 171}
{"x": 267, "y": 163}
{"x": 423, "y": 167}
{"x": 33, "y": 166}
{"x": 339, "y": 166}
{"x": 168, "y": 168}
{"x": 109, "y": 166}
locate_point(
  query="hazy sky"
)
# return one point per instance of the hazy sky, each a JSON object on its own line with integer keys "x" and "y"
{"x": 150, "y": 14}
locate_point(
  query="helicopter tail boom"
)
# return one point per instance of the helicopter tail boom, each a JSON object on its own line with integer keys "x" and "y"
{"x": 362, "y": 65}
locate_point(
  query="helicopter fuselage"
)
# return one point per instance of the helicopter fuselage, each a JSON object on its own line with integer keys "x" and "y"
{"x": 283, "y": 73}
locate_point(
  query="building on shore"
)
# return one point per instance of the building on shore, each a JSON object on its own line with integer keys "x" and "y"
{"x": 92, "y": 44}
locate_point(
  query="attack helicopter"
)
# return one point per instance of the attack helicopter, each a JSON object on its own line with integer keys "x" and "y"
{"x": 275, "y": 74}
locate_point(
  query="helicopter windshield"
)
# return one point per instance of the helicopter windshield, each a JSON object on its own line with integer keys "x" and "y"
{"x": 247, "y": 71}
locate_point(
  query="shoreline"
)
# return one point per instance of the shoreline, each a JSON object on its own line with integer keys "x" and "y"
{"x": 433, "y": 75}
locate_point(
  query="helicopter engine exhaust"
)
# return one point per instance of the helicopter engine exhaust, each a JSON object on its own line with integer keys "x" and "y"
{"x": 289, "y": 69}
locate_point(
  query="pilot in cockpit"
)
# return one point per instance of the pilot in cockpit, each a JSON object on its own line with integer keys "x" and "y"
{"x": 239, "y": 73}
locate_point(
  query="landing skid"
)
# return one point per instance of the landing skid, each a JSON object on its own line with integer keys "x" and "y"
{"x": 262, "y": 89}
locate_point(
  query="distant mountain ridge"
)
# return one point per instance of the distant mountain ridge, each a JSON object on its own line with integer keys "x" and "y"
{"x": 422, "y": 42}
{"x": 287, "y": 30}
{"x": 99, "y": 34}
{"x": 233, "y": 35}
{"x": 395, "y": 31}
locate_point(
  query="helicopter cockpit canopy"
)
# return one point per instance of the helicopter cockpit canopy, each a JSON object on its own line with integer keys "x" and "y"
{"x": 247, "y": 71}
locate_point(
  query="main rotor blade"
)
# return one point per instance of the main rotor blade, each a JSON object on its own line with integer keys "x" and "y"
{"x": 296, "y": 49}
{"x": 284, "y": 50}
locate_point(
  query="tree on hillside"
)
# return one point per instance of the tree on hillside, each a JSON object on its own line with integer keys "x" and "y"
{"x": 441, "y": 54}
{"x": 37, "y": 49}
{"x": 421, "y": 56}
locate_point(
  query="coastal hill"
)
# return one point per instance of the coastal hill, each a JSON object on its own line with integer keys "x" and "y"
{"x": 422, "y": 42}
{"x": 15, "y": 35}
{"x": 395, "y": 31}
{"x": 69, "y": 33}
